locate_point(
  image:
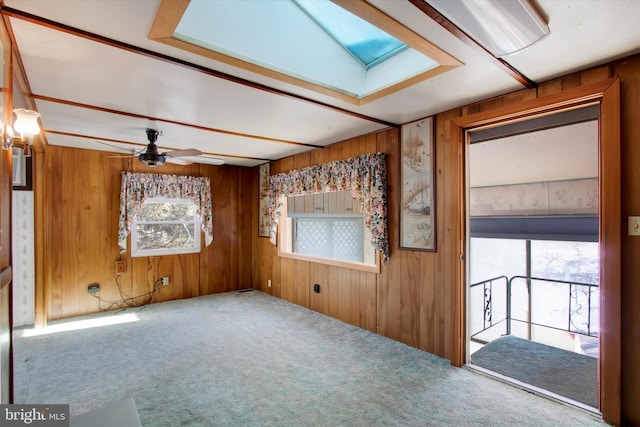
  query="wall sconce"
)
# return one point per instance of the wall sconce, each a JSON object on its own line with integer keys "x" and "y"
{"x": 26, "y": 125}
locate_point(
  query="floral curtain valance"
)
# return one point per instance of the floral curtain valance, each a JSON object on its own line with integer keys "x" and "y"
{"x": 366, "y": 176}
{"x": 137, "y": 187}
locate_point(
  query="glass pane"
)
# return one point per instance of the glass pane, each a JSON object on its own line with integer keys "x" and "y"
{"x": 165, "y": 236}
{"x": 560, "y": 305}
{"x": 369, "y": 44}
{"x": 492, "y": 258}
{"x": 335, "y": 238}
{"x": 152, "y": 211}
{"x": 348, "y": 239}
{"x": 497, "y": 257}
{"x": 313, "y": 237}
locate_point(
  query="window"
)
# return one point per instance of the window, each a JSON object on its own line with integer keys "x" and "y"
{"x": 328, "y": 228}
{"x": 332, "y": 237}
{"x": 165, "y": 227}
{"x": 366, "y": 42}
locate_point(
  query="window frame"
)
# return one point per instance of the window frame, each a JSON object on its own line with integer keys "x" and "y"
{"x": 197, "y": 229}
{"x": 285, "y": 228}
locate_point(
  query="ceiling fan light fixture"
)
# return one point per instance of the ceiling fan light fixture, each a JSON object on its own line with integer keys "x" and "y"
{"x": 152, "y": 159}
{"x": 501, "y": 27}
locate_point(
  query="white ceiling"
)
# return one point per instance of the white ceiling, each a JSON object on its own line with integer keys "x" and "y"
{"x": 556, "y": 154}
{"x": 74, "y": 79}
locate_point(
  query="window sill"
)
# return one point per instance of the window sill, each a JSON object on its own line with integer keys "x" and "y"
{"x": 369, "y": 268}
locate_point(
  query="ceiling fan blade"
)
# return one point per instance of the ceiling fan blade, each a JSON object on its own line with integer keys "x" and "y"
{"x": 183, "y": 153}
{"x": 177, "y": 161}
{"x": 120, "y": 157}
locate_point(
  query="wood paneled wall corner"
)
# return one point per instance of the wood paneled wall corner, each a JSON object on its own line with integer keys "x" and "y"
{"x": 416, "y": 298}
{"x": 628, "y": 71}
{"x": 408, "y": 300}
{"x": 80, "y": 209}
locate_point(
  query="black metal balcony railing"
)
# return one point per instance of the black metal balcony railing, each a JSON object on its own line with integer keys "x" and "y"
{"x": 579, "y": 305}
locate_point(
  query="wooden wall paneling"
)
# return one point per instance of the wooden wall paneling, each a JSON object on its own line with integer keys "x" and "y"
{"x": 571, "y": 82}
{"x": 283, "y": 166}
{"x": 388, "y": 299}
{"x": 429, "y": 327}
{"x": 144, "y": 275}
{"x": 301, "y": 160}
{"x": 40, "y": 309}
{"x": 519, "y": 96}
{"x": 246, "y": 196}
{"x": 449, "y": 266}
{"x": 441, "y": 285}
{"x": 408, "y": 287}
{"x": 369, "y": 301}
{"x": 488, "y": 104}
{"x": 363, "y": 299}
{"x": 81, "y": 223}
{"x": 183, "y": 272}
{"x": 318, "y": 275}
{"x": 596, "y": 75}
{"x": 55, "y": 236}
{"x": 356, "y": 310}
{"x": 219, "y": 272}
{"x": 368, "y": 144}
{"x": 343, "y": 288}
{"x": 549, "y": 88}
{"x": 276, "y": 271}
{"x": 287, "y": 278}
{"x": 248, "y": 224}
{"x": 628, "y": 71}
{"x": 108, "y": 193}
{"x": 332, "y": 291}
{"x": 301, "y": 285}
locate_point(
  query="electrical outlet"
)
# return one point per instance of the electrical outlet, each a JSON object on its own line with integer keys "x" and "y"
{"x": 269, "y": 283}
{"x": 164, "y": 280}
{"x": 94, "y": 288}
{"x": 121, "y": 266}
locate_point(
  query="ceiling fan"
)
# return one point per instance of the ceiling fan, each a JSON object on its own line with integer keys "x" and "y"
{"x": 152, "y": 157}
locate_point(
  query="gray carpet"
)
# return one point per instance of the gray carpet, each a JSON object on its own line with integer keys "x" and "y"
{"x": 249, "y": 359}
{"x": 560, "y": 371}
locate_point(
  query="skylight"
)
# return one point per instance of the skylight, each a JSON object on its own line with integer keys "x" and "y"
{"x": 320, "y": 45}
{"x": 367, "y": 43}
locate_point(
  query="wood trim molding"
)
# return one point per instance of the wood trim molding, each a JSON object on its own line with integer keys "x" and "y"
{"x": 18, "y": 14}
{"x": 610, "y": 368}
{"x": 170, "y": 13}
{"x": 607, "y": 94}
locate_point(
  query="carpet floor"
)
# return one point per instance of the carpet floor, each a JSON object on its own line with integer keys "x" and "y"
{"x": 560, "y": 371}
{"x": 250, "y": 359}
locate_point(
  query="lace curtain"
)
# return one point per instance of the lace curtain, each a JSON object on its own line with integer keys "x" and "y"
{"x": 366, "y": 176}
{"x": 137, "y": 187}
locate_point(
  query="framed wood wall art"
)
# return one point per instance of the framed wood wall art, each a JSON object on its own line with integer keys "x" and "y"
{"x": 417, "y": 191}
{"x": 263, "y": 197}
